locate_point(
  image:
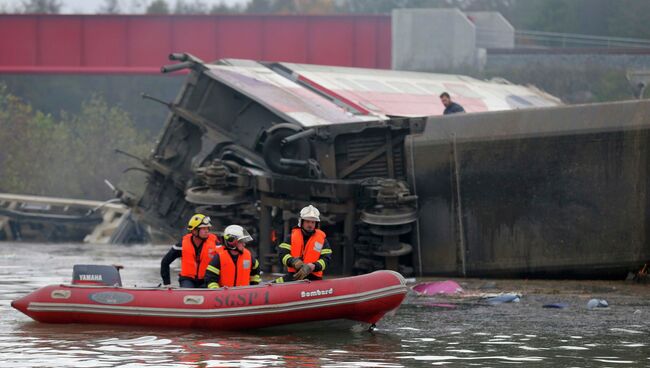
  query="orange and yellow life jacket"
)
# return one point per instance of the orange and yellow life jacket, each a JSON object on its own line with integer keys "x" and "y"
{"x": 194, "y": 266}
{"x": 235, "y": 275}
{"x": 310, "y": 252}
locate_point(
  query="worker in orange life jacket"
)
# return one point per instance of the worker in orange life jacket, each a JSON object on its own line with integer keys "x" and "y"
{"x": 196, "y": 250}
{"x": 233, "y": 265}
{"x": 305, "y": 252}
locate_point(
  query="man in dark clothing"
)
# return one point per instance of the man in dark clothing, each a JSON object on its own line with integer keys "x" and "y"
{"x": 305, "y": 252}
{"x": 450, "y": 107}
{"x": 234, "y": 265}
{"x": 196, "y": 250}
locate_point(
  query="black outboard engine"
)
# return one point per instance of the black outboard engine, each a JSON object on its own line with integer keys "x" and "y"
{"x": 96, "y": 275}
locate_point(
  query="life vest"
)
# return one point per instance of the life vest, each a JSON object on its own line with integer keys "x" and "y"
{"x": 229, "y": 271}
{"x": 310, "y": 252}
{"x": 193, "y": 266}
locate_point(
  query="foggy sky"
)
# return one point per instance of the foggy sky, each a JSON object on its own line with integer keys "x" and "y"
{"x": 126, "y": 6}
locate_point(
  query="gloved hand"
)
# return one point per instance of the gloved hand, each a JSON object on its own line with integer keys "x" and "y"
{"x": 297, "y": 264}
{"x": 303, "y": 272}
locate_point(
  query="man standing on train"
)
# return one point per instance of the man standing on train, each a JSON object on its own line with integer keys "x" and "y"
{"x": 450, "y": 106}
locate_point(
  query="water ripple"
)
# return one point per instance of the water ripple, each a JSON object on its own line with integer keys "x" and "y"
{"x": 625, "y": 330}
{"x": 473, "y": 335}
{"x": 615, "y": 361}
{"x": 452, "y": 357}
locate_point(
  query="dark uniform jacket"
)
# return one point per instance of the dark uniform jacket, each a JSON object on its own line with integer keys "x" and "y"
{"x": 175, "y": 252}
{"x": 453, "y": 108}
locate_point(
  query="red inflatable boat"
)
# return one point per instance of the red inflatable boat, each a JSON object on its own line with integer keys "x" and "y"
{"x": 365, "y": 298}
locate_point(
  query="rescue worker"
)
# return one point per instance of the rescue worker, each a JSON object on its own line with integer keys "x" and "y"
{"x": 305, "y": 252}
{"x": 195, "y": 249}
{"x": 234, "y": 265}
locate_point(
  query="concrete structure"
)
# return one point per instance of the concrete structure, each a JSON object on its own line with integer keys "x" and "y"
{"x": 493, "y": 31}
{"x": 443, "y": 40}
{"x": 639, "y": 81}
{"x": 432, "y": 40}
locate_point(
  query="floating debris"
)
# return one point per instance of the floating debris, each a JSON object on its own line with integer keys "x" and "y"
{"x": 555, "y": 305}
{"x": 597, "y": 303}
{"x": 503, "y": 298}
{"x": 438, "y": 287}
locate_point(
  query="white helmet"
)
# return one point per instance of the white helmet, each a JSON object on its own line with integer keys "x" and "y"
{"x": 309, "y": 213}
{"x": 236, "y": 233}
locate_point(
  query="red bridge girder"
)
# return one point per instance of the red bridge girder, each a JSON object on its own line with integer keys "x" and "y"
{"x": 140, "y": 44}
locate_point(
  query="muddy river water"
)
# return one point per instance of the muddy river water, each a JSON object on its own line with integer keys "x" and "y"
{"x": 426, "y": 331}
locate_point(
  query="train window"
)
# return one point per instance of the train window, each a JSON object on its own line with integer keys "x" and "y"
{"x": 538, "y": 101}
{"x": 517, "y": 102}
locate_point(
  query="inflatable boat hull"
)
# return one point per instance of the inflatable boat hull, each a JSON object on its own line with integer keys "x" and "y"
{"x": 365, "y": 298}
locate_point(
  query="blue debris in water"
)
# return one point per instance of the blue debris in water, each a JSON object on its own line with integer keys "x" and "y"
{"x": 555, "y": 305}
{"x": 597, "y": 303}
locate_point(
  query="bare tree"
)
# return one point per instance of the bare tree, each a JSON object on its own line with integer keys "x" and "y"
{"x": 7, "y": 9}
{"x": 110, "y": 7}
{"x": 41, "y": 6}
{"x": 223, "y": 8}
{"x": 158, "y": 7}
{"x": 193, "y": 7}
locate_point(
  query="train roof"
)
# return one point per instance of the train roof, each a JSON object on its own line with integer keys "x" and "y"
{"x": 314, "y": 95}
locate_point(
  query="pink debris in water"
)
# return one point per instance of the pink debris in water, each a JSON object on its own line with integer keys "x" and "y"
{"x": 438, "y": 287}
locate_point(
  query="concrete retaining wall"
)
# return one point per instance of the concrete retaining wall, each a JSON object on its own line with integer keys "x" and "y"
{"x": 431, "y": 40}
{"x": 492, "y": 30}
{"x": 557, "y": 60}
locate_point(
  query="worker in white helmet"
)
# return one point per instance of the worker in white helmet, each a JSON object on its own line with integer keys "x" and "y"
{"x": 233, "y": 265}
{"x": 305, "y": 252}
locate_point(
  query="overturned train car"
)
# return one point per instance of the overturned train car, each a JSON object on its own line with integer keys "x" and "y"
{"x": 528, "y": 187}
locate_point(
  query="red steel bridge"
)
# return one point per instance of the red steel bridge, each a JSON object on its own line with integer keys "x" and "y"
{"x": 140, "y": 44}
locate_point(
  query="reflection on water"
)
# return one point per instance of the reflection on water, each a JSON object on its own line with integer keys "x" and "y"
{"x": 466, "y": 332}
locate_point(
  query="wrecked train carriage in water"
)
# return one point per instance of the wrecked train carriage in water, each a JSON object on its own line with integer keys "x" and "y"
{"x": 252, "y": 143}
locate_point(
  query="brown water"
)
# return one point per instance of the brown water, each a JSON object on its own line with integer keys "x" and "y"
{"x": 451, "y": 331}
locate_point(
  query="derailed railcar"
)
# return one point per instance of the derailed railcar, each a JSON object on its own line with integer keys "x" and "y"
{"x": 252, "y": 143}
{"x": 544, "y": 192}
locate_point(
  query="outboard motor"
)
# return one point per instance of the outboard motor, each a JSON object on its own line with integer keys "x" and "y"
{"x": 96, "y": 275}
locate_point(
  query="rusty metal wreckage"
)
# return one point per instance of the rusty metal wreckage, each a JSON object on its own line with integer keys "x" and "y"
{"x": 262, "y": 183}
{"x": 251, "y": 143}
